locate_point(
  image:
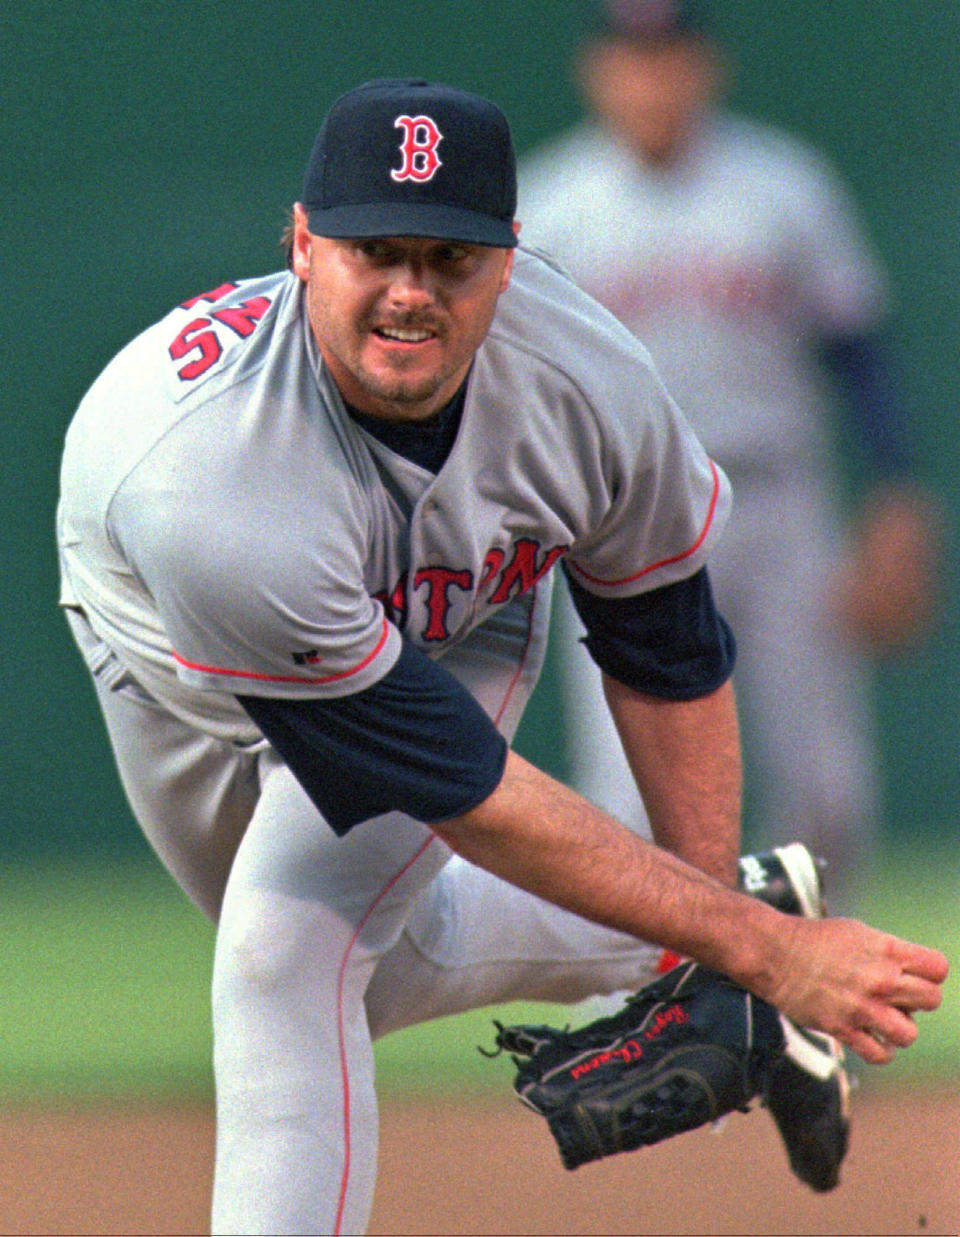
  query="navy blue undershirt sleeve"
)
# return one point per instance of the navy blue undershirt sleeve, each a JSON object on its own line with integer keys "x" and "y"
{"x": 865, "y": 373}
{"x": 670, "y": 642}
{"x": 415, "y": 742}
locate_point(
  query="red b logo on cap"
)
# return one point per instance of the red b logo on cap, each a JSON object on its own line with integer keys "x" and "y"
{"x": 421, "y": 137}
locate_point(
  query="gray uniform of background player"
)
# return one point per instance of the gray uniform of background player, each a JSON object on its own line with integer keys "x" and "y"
{"x": 730, "y": 265}
{"x": 190, "y": 573}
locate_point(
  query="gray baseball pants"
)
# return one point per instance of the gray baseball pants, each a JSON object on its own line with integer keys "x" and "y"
{"x": 324, "y": 943}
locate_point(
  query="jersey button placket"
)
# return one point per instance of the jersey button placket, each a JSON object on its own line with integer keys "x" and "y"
{"x": 430, "y": 508}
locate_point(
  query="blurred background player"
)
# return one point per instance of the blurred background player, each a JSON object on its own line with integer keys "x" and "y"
{"x": 734, "y": 253}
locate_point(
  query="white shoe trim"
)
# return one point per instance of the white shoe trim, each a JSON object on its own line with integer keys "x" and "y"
{"x": 804, "y": 877}
{"x": 822, "y": 1062}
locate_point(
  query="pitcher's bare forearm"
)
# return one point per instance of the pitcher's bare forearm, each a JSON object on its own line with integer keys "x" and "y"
{"x": 544, "y": 837}
{"x": 685, "y": 758}
{"x": 837, "y": 975}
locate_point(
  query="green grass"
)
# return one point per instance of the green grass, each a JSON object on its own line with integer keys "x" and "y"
{"x": 914, "y": 893}
{"x": 104, "y": 987}
{"x": 104, "y": 984}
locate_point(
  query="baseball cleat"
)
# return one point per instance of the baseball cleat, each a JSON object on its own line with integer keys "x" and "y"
{"x": 787, "y": 877}
{"x": 807, "y": 1090}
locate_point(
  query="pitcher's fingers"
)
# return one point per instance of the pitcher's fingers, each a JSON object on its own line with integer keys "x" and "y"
{"x": 866, "y": 1046}
{"x": 929, "y": 964}
{"x": 912, "y": 993}
{"x": 891, "y": 1026}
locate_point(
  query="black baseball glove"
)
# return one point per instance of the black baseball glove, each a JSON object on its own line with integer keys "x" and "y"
{"x": 685, "y": 1050}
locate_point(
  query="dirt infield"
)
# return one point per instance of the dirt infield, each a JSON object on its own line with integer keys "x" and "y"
{"x": 490, "y": 1168}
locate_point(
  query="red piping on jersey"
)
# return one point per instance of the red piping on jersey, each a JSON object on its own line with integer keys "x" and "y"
{"x": 280, "y": 678}
{"x": 676, "y": 558}
{"x": 344, "y": 1071}
{"x": 341, "y": 1039}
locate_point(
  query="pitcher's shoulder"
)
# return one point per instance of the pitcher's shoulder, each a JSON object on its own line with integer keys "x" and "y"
{"x": 553, "y": 325}
{"x": 186, "y": 360}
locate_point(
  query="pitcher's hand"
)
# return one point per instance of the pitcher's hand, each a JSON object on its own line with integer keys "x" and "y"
{"x": 858, "y": 984}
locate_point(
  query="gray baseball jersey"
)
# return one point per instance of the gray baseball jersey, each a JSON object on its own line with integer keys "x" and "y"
{"x": 228, "y": 527}
{"x": 728, "y": 267}
{"x": 731, "y": 266}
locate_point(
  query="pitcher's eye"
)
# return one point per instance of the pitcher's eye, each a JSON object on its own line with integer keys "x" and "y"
{"x": 374, "y": 249}
{"x": 451, "y": 253}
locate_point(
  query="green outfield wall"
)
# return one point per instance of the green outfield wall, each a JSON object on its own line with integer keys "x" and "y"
{"x": 149, "y": 150}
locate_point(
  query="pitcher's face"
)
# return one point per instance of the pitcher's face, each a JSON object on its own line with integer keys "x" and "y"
{"x": 398, "y": 319}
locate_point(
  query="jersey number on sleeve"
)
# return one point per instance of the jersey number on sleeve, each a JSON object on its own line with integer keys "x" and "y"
{"x": 200, "y": 336}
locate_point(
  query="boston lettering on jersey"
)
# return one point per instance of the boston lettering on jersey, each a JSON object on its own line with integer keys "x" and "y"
{"x": 506, "y": 574}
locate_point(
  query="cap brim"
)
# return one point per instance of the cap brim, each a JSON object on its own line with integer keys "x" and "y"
{"x": 412, "y": 219}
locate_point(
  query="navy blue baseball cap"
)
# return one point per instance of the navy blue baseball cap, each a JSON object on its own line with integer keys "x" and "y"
{"x": 649, "y": 21}
{"x": 405, "y": 157}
